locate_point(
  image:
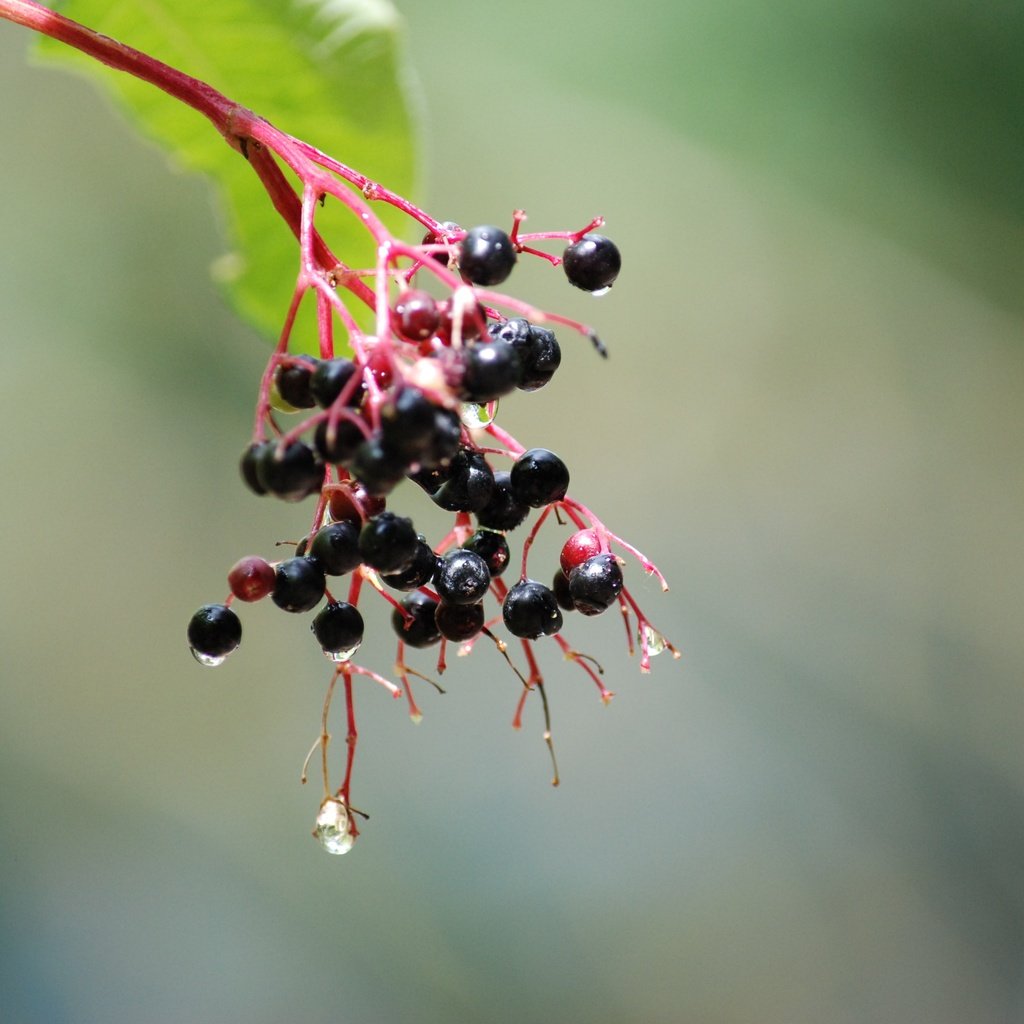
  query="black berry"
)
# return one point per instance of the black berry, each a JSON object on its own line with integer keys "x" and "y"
{"x": 388, "y": 542}
{"x": 377, "y": 467}
{"x": 462, "y": 577}
{"x": 213, "y": 633}
{"x": 595, "y": 583}
{"x": 492, "y": 548}
{"x": 531, "y": 611}
{"x": 537, "y": 348}
{"x": 419, "y": 572}
{"x": 299, "y": 584}
{"x": 504, "y": 511}
{"x": 338, "y": 628}
{"x": 248, "y": 464}
{"x": 485, "y": 371}
{"x": 408, "y": 422}
{"x": 539, "y": 477}
{"x": 335, "y": 548}
{"x": 486, "y": 255}
{"x": 337, "y": 443}
{"x": 420, "y": 629}
{"x": 458, "y": 622}
{"x": 292, "y": 474}
{"x": 592, "y": 263}
{"x": 292, "y": 382}
{"x": 469, "y": 485}
{"x": 560, "y": 588}
{"x": 330, "y": 377}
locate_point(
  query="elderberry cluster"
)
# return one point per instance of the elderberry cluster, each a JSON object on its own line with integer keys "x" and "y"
{"x": 417, "y": 402}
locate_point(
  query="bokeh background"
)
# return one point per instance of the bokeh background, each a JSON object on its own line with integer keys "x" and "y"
{"x": 811, "y": 418}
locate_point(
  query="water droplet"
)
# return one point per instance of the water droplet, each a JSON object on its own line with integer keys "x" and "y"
{"x": 343, "y": 655}
{"x": 333, "y": 830}
{"x": 601, "y": 291}
{"x": 474, "y": 416}
{"x": 656, "y": 643}
{"x": 210, "y": 660}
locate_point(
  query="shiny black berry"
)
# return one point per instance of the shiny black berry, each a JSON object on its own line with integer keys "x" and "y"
{"x": 292, "y": 382}
{"x": 418, "y": 573}
{"x": 560, "y": 588}
{"x": 462, "y": 577}
{"x": 459, "y": 622}
{"x": 335, "y": 548}
{"x": 592, "y": 263}
{"x": 537, "y": 348}
{"x": 595, "y": 583}
{"x": 408, "y": 422}
{"x": 292, "y": 474}
{"x": 469, "y": 485}
{"x": 486, "y": 255}
{"x": 338, "y": 628}
{"x": 492, "y": 548}
{"x": 539, "y": 477}
{"x": 213, "y": 633}
{"x": 330, "y": 378}
{"x": 377, "y": 467}
{"x": 530, "y": 610}
{"x": 299, "y": 584}
{"x": 504, "y": 511}
{"x": 420, "y": 629}
{"x": 484, "y": 371}
{"x": 248, "y": 464}
{"x": 388, "y": 542}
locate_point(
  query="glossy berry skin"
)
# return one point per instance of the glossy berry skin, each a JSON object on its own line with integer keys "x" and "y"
{"x": 418, "y": 573}
{"x": 248, "y": 463}
{"x": 504, "y": 511}
{"x": 335, "y": 548}
{"x": 214, "y": 631}
{"x": 388, "y": 542}
{"x": 469, "y": 485}
{"x": 251, "y": 578}
{"x": 353, "y": 504}
{"x": 459, "y": 622}
{"x": 539, "y": 477}
{"x": 338, "y": 627}
{"x": 486, "y": 256}
{"x": 422, "y": 630}
{"x": 560, "y": 588}
{"x": 595, "y": 584}
{"x": 292, "y": 474}
{"x": 483, "y": 371}
{"x": 592, "y": 263}
{"x": 415, "y": 316}
{"x": 329, "y": 379}
{"x": 461, "y": 577}
{"x": 299, "y": 584}
{"x": 537, "y": 348}
{"x": 583, "y": 544}
{"x": 492, "y": 548}
{"x": 292, "y": 382}
{"x": 531, "y": 611}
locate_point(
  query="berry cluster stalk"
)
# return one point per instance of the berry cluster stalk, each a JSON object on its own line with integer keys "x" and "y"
{"x": 415, "y": 399}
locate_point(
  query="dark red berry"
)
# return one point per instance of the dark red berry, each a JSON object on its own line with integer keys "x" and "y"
{"x": 251, "y": 578}
{"x": 420, "y": 628}
{"x": 595, "y": 584}
{"x": 213, "y": 633}
{"x": 539, "y": 477}
{"x": 299, "y": 585}
{"x": 583, "y": 544}
{"x": 592, "y": 263}
{"x": 531, "y": 611}
{"x": 415, "y": 316}
{"x": 486, "y": 255}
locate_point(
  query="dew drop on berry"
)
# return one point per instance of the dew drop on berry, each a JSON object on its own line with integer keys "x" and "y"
{"x": 209, "y": 660}
{"x": 333, "y": 828}
{"x": 601, "y": 291}
{"x": 345, "y": 654}
{"x": 474, "y": 416}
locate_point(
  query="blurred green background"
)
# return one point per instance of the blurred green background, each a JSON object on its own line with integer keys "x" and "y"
{"x": 811, "y": 419}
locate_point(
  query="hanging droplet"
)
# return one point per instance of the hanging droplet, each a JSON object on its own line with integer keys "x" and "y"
{"x": 474, "y": 416}
{"x": 341, "y": 656}
{"x": 601, "y": 291}
{"x": 210, "y": 660}
{"x": 653, "y": 640}
{"x": 333, "y": 829}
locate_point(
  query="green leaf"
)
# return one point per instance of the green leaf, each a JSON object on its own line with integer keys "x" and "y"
{"x": 330, "y": 72}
